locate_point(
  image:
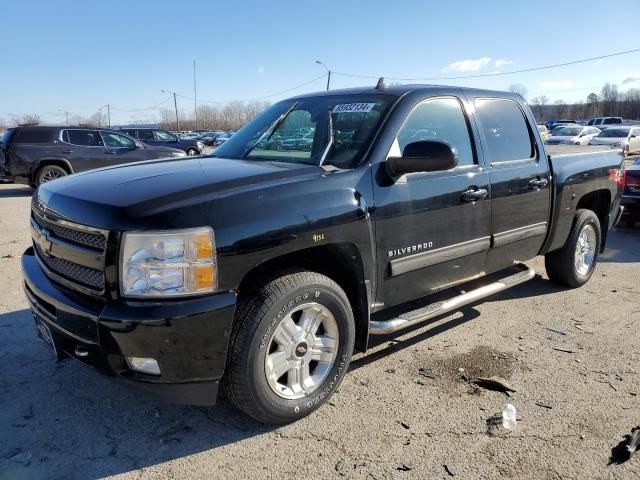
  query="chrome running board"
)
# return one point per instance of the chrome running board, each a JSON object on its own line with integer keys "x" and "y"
{"x": 438, "y": 308}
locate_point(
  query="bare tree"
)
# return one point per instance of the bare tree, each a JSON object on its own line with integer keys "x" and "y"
{"x": 518, "y": 88}
{"x": 26, "y": 119}
{"x": 560, "y": 108}
{"x": 538, "y": 106}
{"x": 609, "y": 95}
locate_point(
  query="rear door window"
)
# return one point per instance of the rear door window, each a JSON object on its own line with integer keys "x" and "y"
{"x": 84, "y": 138}
{"x": 32, "y": 135}
{"x": 505, "y": 129}
{"x": 145, "y": 135}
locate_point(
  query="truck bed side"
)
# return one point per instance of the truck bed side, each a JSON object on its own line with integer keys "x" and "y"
{"x": 582, "y": 180}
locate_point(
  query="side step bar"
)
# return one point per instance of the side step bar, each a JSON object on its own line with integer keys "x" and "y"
{"x": 408, "y": 319}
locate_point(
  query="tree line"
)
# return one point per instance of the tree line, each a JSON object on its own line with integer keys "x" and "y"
{"x": 609, "y": 102}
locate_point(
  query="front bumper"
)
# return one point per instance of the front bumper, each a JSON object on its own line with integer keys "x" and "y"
{"x": 188, "y": 338}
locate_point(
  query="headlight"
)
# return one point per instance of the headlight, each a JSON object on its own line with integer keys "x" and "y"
{"x": 200, "y": 145}
{"x": 169, "y": 263}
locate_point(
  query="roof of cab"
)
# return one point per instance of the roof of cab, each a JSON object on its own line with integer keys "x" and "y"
{"x": 401, "y": 90}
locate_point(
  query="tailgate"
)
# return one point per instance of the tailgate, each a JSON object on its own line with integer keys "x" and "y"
{"x": 631, "y": 182}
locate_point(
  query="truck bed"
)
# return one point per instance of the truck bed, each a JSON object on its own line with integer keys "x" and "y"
{"x": 563, "y": 150}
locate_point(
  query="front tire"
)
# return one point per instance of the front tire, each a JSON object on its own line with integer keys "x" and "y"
{"x": 574, "y": 263}
{"x": 192, "y": 152}
{"x": 290, "y": 347}
{"x": 49, "y": 173}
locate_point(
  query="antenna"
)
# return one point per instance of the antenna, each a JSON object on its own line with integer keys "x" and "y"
{"x": 380, "y": 84}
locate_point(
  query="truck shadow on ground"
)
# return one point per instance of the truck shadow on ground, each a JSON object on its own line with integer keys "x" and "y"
{"x": 623, "y": 246}
{"x": 64, "y": 420}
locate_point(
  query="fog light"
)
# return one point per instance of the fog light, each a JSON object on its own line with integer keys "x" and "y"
{"x": 144, "y": 365}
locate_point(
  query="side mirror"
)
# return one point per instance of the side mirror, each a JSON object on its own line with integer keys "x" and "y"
{"x": 423, "y": 156}
{"x": 633, "y": 135}
{"x": 138, "y": 145}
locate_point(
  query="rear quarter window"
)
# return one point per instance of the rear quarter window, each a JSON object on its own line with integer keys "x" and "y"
{"x": 32, "y": 135}
{"x": 505, "y": 130}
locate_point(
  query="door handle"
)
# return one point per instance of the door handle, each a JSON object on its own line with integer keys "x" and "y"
{"x": 67, "y": 151}
{"x": 538, "y": 183}
{"x": 110, "y": 152}
{"x": 473, "y": 195}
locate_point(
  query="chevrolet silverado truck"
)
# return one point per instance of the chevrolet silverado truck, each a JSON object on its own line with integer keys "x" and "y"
{"x": 256, "y": 272}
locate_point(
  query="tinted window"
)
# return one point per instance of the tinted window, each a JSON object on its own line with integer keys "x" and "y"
{"x": 145, "y": 135}
{"x": 505, "y": 130}
{"x": 131, "y": 133}
{"x": 164, "y": 136}
{"x": 85, "y": 138}
{"x": 440, "y": 119}
{"x": 32, "y": 135}
{"x": 115, "y": 140}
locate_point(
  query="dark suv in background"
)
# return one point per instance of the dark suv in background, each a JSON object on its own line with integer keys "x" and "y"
{"x": 156, "y": 136}
{"x": 38, "y": 154}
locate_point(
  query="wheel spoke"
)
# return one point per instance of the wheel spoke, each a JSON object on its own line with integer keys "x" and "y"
{"x": 285, "y": 332}
{"x": 310, "y": 321}
{"x": 277, "y": 364}
{"x": 323, "y": 348}
{"x": 294, "y": 380}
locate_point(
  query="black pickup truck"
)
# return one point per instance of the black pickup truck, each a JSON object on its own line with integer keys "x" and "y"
{"x": 262, "y": 269}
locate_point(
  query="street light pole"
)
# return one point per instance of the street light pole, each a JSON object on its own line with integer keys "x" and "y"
{"x": 328, "y": 72}
{"x": 195, "y": 97}
{"x": 175, "y": 104}
{"x": 66, "y": 116}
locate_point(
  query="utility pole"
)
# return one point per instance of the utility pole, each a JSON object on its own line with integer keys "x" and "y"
{"x": 66, "y": 117}
{"x": 175, "y": 104}
{"x": 109, "y": 115}
{"x": 328, "y": 72}
{"x": 195, "y": 97}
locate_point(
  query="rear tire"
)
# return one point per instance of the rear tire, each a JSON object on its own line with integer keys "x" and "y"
{"x": 574, "y": 263}
{"x": 290, "y": 347}
{"x": 49, "y": 173}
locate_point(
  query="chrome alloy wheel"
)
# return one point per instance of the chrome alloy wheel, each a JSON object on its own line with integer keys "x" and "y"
{"x": 302, "y": 350}
{"x": 51, "y": 175}
{"x": 585, "y": 250}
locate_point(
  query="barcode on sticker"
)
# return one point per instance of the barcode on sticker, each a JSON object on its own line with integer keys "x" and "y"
{"x": 353, "y": 107}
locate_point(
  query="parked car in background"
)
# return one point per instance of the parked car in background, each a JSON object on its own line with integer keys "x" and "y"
{"x": 209, "y": 138}
{"x": 221, "y": 139}
{"x": 573, "y": 135}
{"x": 631, "y": 195}
{"x": 627, "y": 138}
{"x": 156, "y": 136}
{"x": 551, "y": 124}
{"x": 544, "y": 132}
{"x": 35, "y": 155}
{"x": 605, "y": 121}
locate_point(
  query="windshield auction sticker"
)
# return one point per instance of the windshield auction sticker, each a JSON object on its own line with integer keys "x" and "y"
{"x": 353, "y": 108}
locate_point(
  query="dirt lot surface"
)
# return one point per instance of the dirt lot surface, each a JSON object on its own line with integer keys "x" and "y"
{"x": 405, "y": 410}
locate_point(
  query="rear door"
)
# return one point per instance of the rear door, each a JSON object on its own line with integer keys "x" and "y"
{"x": 520, "y": 180}
{"x": 430, "y": 233}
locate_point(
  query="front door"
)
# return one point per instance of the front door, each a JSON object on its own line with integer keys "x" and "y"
{"x": 520, "y": 181}
{"x": 432, "y": 228}
{"x": 82, "y": 148}
{"x": 121, "y": 149}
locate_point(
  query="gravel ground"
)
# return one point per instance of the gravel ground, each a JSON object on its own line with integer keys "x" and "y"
{"x": 389, "y": 419}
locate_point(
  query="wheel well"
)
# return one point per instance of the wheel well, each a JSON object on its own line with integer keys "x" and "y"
{"x": 598, "y": 202}
{"x": 340, "y": 262}
{"x": 44, "y": 163}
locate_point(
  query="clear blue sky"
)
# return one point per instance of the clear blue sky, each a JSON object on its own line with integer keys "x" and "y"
{"x": 80, "y": 55}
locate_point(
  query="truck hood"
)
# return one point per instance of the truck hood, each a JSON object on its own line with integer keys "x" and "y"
{"x": 106, "y": 197}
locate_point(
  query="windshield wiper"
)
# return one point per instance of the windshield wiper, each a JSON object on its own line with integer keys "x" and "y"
{"x": 272, "y": 128}
{"x": 331, "y": 139}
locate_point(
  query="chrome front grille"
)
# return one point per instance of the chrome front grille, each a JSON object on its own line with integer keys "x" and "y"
{"x": 70, "y": 253}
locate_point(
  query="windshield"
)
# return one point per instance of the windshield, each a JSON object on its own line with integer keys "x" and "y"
{"x": 611, "y": 132}
{"x": 567, "y": 132}
{"x": 332, "y": 130}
